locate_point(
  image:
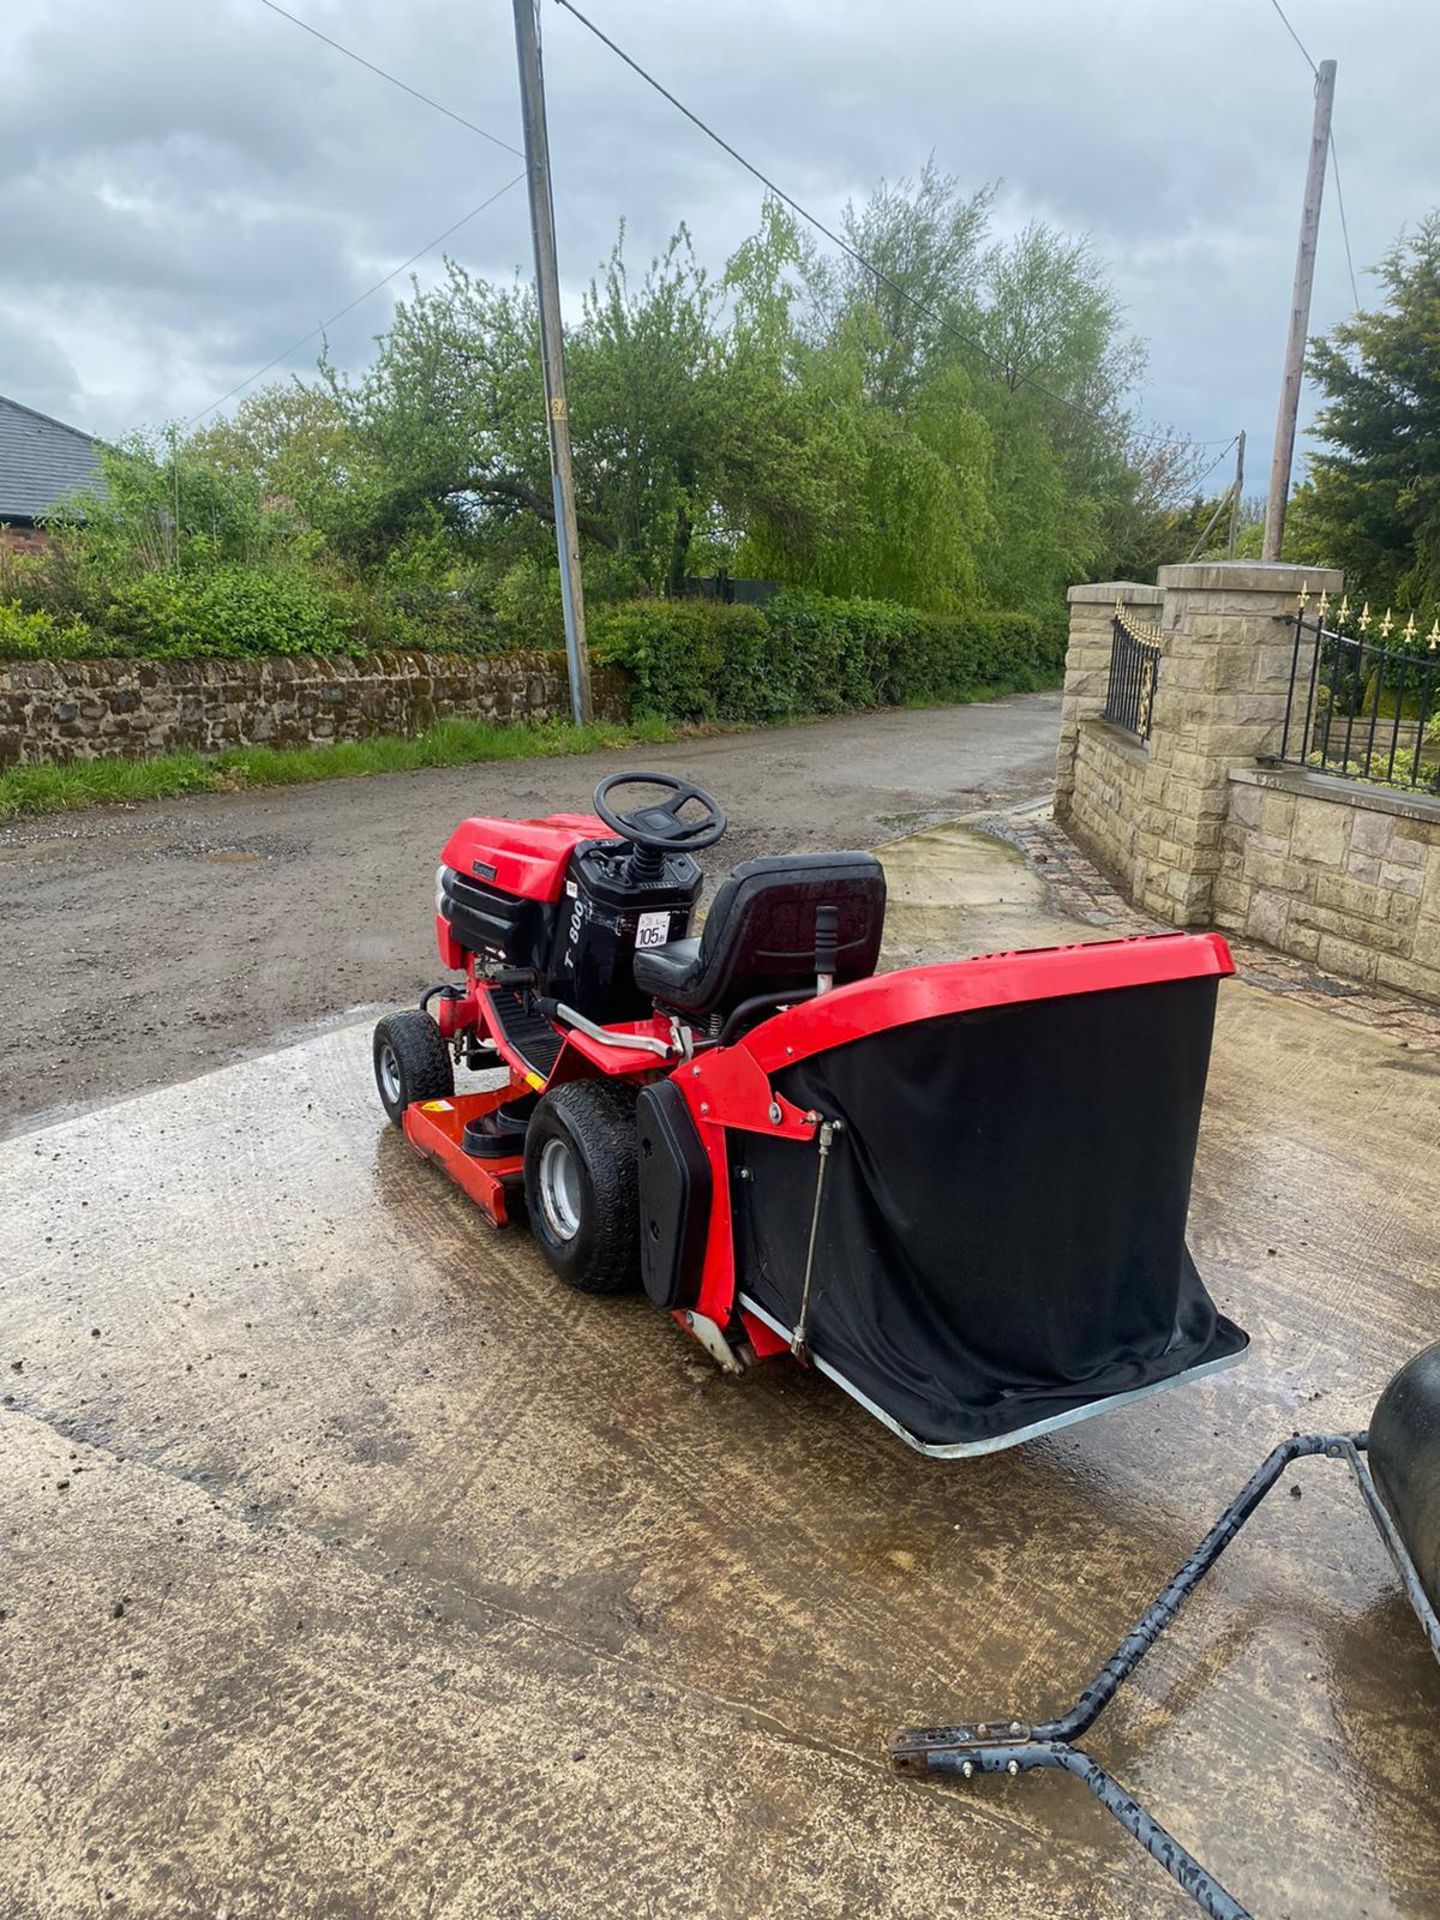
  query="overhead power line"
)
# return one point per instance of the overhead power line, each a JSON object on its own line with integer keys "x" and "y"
{"x": 1344, "y": 223}
{"x": 878, "y": 274}
{"x": 1215, "y": 463}
{"x": 1284, "y": 21}
{"x": 1334, "y": 158}
{"x": 351, "y": 305}
{"x": 394, "y": 80}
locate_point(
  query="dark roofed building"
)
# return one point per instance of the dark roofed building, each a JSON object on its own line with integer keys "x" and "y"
{"x": 42, "y": 462}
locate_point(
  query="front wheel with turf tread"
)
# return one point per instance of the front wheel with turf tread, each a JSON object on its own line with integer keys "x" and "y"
{"x": 412, "y": 1062}
{"x": 582, "y": 1185}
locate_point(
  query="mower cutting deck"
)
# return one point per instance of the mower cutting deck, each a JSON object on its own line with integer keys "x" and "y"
{"x": 959, "y": 1191}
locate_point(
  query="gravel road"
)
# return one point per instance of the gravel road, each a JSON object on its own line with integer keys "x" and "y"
{"x": 146, "y": 944}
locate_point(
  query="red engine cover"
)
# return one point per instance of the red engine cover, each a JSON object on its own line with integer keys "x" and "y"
{"x": 524, "y": 857}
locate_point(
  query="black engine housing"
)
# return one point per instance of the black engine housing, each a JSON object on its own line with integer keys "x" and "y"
{"x": 580, "y": 948}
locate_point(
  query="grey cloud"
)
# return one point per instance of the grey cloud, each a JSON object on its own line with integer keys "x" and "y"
{"x": 193, "y": 187}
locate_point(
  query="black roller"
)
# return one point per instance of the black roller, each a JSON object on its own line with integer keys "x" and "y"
{"x": 1405, "y": 1461}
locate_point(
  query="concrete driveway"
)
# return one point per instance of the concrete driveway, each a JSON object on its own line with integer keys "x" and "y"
{"x": 352, "y": 1568}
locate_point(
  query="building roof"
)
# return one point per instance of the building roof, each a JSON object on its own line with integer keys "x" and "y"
{"x": 41, "y": 462}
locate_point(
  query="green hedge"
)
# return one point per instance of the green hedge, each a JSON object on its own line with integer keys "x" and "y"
{"x": 804, "y": 653}
{"x": 225, "y": 611}
{"x": 222, "y": 611}
{"x": 687, "y": 659}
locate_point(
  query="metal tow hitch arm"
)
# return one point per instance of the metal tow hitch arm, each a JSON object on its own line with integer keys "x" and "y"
{"x": 1013, "y": 1746}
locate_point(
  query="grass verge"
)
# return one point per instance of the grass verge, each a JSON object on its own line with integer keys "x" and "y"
{"x": 451, "y": 743}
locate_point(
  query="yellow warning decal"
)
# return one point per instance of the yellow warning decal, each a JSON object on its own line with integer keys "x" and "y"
{"x": 535, "y": 1080}
{"x": 436, "y": 1106}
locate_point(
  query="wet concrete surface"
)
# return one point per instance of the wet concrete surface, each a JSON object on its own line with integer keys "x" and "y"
{"x": 353, "y": 1568}
{"x": 146, "y": 943}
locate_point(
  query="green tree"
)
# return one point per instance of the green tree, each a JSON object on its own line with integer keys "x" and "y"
{"x": 1372, "y": 505}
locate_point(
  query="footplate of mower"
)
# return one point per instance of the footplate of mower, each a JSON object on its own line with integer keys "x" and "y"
{"x": 437, "y": 1129}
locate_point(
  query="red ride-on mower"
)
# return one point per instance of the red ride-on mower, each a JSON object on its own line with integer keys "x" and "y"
{"x": 959, "y": 1191}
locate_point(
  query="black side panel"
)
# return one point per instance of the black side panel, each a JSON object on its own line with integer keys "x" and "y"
{"x": 1002, "y": 1234}
{"x": 675, "y": 1192}
{"x": 1405, "y": 1461}
{"x": 486, "y": 920}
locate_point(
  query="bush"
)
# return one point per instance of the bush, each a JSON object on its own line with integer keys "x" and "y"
{"x": 226, "y": 611}
{"x": 41, "y": 636}
{"x": 805, "y": 654}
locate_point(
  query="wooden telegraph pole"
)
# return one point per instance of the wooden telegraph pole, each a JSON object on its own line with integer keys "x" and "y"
{"x": 552, "y": 352}
{"x": 1284, "y": 455}
{"x": 1239, "y": 494}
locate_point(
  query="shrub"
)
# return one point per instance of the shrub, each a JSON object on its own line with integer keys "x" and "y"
{"x": 805, "y": 653}
{"x": 226, "y": 611}
{"x": 688, "y": 659}
{"x": 41, "y": 636}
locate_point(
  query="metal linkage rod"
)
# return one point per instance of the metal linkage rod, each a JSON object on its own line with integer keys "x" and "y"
{"x": 1163, "y": 1609}
{"x": 1015, "y": 1747}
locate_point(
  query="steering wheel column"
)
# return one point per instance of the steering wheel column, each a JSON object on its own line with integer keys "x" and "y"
{"x": 662, "y": 826}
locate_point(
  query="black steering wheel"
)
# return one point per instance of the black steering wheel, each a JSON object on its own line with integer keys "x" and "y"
{"x": 659, "y": 828}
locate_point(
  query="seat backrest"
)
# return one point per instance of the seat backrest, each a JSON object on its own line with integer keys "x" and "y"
{"x": 759, "y": 936}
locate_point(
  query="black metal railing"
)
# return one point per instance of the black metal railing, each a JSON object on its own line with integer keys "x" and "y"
{"x": 1134, "y": 669}
{"x": 1363, "y": 703}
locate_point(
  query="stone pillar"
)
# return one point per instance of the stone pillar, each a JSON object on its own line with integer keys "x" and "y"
{"x": 1087, "y": 667}
{"x": 1220, "y": 696}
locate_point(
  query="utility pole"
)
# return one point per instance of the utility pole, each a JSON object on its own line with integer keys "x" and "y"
{"x": 1239, "y": 494}
{"x": 552, "y": 352}
{"x": 1284, "y": 454}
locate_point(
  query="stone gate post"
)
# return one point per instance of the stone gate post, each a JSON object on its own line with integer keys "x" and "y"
{"x": 1220, "y": 701}
{"x": 1153, "y": 812}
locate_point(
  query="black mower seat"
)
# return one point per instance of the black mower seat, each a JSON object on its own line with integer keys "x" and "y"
{"x": 759, "y": 936}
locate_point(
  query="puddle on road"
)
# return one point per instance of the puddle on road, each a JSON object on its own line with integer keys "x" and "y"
{"x": 956, "y": 890}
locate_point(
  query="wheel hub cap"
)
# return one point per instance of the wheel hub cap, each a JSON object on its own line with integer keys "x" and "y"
{"x": 560, "y": 1189}
{"x": 390, "y": 1075}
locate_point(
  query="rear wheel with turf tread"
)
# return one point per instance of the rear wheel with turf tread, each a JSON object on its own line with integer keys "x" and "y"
{"x": 412, "y": 1062}
{"x": 582, "y": 1185}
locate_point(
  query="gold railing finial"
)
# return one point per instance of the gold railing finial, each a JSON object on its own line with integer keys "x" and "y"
{"x": 1387, "y": 625}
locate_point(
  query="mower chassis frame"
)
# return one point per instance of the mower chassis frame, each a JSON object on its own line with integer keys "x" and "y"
{"x": 1014, "y": 1747}
{"x": 994, "y": 1443}
{"x": 436, "y": 1128}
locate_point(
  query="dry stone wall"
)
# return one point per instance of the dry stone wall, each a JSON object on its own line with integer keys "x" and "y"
{"x": 64, "y": 710}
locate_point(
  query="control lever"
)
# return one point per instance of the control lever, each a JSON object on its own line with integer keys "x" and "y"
{"x": 827, "y": 947}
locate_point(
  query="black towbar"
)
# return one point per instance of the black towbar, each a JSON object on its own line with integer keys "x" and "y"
{"x": 1011, "y": 1746}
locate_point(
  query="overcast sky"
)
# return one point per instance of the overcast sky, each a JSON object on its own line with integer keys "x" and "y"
{"x": 190, "y": 187}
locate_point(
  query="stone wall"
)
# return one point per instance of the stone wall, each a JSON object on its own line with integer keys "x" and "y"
{"x": 1197, "y": 829}
{"x": 61, "y": 710}
{"x": 1344, "y": 876}
{"x": 1107, "y": 801}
